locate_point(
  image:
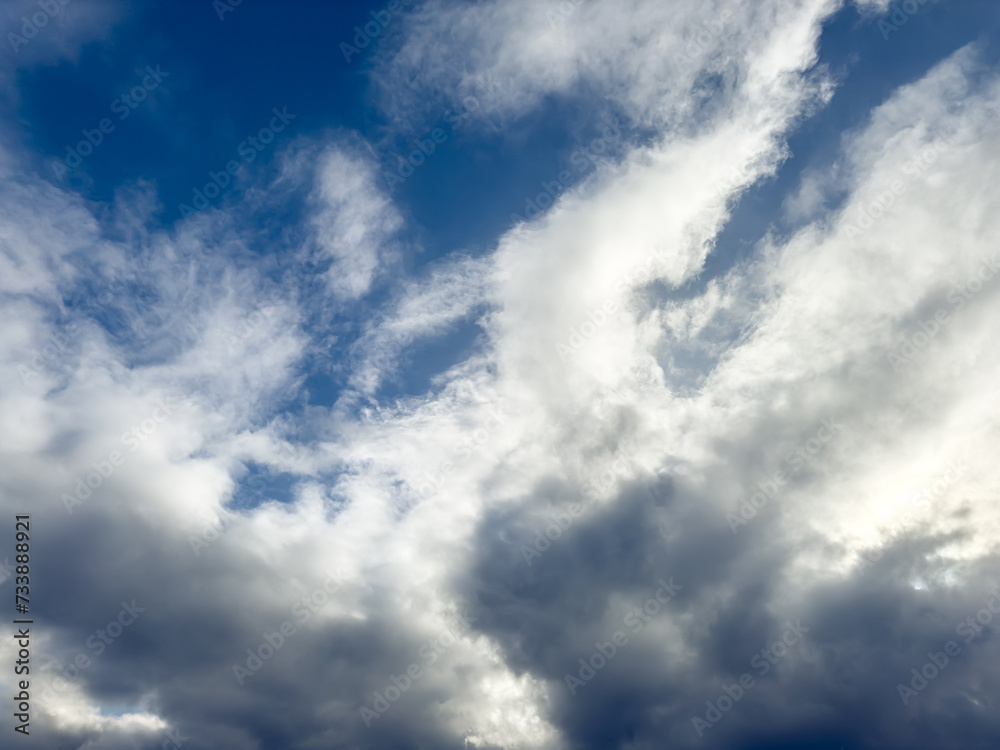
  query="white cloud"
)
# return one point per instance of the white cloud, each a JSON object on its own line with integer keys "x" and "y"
{"x": 711, "y": 388}
{"x": 354, "y": 221}
{"x": 660, "y": 64}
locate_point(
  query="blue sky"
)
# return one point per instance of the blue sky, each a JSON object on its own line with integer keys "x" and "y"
{"x": 520, "y": 378}
{"x": 223, "y": 78}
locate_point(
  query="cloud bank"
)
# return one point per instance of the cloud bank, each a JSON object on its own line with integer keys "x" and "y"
{"x": 651, "y": 504}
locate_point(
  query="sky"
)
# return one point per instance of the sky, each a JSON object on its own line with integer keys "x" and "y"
{"x": 508, "y": 374}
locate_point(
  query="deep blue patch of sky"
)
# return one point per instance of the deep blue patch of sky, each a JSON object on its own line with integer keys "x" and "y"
{"x": 224, "y": 78}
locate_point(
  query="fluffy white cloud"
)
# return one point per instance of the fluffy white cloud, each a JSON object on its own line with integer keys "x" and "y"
{"x": 662, "y": 65}
{"x": 608, "y": 367}
{"x": 354, "y": 221}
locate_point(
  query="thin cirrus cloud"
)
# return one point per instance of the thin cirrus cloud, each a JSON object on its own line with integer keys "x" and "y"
{"x": 797, "y": 443}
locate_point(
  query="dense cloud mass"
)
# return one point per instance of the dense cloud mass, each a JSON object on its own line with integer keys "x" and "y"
{"x": 663, "y": 494}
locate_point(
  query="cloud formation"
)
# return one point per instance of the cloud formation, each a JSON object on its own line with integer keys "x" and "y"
{"x": 622, "y": 403}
